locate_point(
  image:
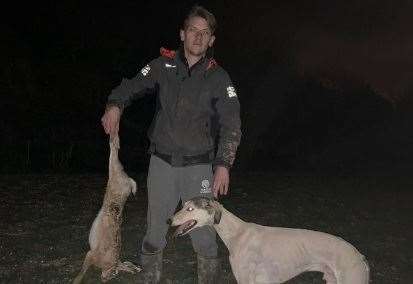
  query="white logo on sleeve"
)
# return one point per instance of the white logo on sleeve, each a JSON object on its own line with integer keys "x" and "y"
{"x": 231, "y": 92}
{"x": 145, "y": 70}
{"x": 205, "y": 186}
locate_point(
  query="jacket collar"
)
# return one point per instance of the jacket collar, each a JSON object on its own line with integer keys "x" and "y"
{"x": 201, "y": 65}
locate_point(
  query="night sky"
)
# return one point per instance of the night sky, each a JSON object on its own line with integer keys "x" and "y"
{"x": 322, "y": 84}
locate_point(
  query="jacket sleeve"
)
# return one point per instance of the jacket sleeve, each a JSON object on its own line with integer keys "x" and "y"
{"x": 137, "y": 87}
{"x": 228, "y": 110}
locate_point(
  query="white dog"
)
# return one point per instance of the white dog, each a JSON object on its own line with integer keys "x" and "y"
{"x": 260, "y": 254}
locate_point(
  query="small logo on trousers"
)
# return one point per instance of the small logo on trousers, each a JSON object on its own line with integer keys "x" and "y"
{"x": 205, "y": 186}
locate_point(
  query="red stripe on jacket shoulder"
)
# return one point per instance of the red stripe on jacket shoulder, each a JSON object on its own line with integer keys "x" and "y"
{"x": 212, "y": 63}
{"x": 168, "y": 53}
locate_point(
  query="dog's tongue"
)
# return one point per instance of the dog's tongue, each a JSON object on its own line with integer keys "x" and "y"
{"x": 182, "y": 229}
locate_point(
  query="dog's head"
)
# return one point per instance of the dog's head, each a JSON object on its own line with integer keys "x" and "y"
{"x": 196, "y": 212}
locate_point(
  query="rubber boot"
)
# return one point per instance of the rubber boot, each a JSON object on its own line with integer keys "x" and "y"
{"x": 151, "y": 267}
{"x": 209, "y": 270}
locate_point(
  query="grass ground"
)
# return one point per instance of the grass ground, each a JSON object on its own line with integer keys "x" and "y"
{"x": 46, "y": 220}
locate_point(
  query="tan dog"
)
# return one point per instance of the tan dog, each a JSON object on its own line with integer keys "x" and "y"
{"x": 260, "y": 254}
{"x": 105, "y": 234}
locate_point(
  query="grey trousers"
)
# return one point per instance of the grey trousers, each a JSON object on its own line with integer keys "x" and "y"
{"x": 166, "y": 186}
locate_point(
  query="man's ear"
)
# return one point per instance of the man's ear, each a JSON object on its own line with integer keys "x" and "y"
{"x": 211, "y": 41}
{"x": 182, "y": 34}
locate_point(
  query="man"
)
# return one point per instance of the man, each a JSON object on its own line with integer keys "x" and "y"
{"x": 196, "y": 102}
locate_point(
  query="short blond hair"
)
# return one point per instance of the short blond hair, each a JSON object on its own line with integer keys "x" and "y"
{"x": 199, "y": 11}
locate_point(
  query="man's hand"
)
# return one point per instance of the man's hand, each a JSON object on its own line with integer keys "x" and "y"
{"x": 221, "y": 181}
{"x": 110, "y": 120}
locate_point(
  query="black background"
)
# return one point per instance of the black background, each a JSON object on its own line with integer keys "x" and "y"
{"x": 323, "y": 85}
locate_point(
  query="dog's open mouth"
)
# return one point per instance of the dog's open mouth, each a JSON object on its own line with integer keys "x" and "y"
{"x": 185, "y": 228}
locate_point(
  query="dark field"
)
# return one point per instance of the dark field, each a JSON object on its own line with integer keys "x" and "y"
{"x": 46, "y": 221}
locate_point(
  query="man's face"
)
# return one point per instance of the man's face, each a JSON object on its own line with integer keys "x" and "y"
{"x": 197, "y": 37}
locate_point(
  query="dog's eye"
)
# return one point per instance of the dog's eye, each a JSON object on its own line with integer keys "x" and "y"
{"x": 189, "y": 209}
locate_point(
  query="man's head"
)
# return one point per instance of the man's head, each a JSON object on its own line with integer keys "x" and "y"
{"x": 197, "y": 33}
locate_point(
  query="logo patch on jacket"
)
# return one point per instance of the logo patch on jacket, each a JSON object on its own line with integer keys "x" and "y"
{"x": 145, "y": 70}
{"x": 231, "y": 92}
{"x": 167, "y": 65}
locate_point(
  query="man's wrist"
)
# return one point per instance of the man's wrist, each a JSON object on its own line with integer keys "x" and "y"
{"x": 111, "y": 105}
{"x": 222, "y": 164}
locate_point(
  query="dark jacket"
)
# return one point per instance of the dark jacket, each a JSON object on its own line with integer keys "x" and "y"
{"x": 192, "y": 102}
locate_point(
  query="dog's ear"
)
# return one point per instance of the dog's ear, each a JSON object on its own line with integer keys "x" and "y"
{"x": 207, "y": 203}
{"x": 217, "y": 216}
{"x": 217, "y": 212}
